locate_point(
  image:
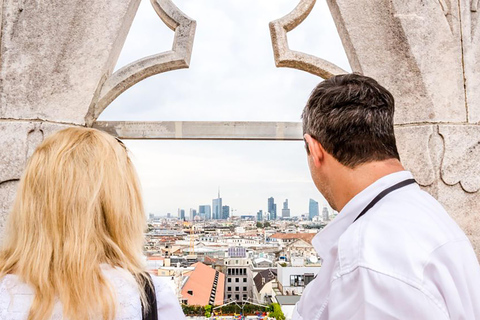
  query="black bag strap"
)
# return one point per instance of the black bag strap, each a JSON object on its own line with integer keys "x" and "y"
{"x": 383, "y": 194}
{"x": 152, "y": 313}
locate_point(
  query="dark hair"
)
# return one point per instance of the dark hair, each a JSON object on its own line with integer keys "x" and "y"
{"x": 352, "y": 117}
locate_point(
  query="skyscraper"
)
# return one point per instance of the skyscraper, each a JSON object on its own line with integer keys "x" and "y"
{"x": 272, "y": 209}
{"x": 285, "y": 210}
{"x": 217, "y": 207}
{"x": 193, "y": 213}
{"x": 205, "y": 211}
{"x": 312, "y": 209}
{"x": 260, "y": 216}
{"x": 181, "y": 214}
{"x": 225, "y": 212}
{"x": 325, "y": 215}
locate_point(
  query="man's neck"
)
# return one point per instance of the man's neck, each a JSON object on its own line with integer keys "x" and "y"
{"x": 350, "y": 182}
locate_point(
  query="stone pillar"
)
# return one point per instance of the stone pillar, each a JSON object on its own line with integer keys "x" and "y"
{"x": 427, "y": 54}
{"x": 54, "y": 57}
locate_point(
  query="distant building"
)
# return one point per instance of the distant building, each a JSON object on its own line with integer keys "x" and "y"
{"x": 325, "y": 214}
{"x": 247, "y": 217}
{"x": 263, "y": 289}
{"x": 285, "y": 210}
{"x": 272, "y": 209}
{"x": 284, "y": 239}
{"x": 292, "y": 280}
{"x": 193, "y": 213}
{"x": 262, "y": 263}
{"x": 169, "y": 215}
{"x": 225, "y": 212}
{"x": 237, "y": 252}
{"x": 300, "y": 248}
{"x": 181, "y": 214}
{"x": 312, "y": 209}
{"x": 260, "y": 215}
{"x": 205, "y": 211}
{"x": 239, "y": 275}
{"x": 217, "y": 207}
{"x": 203, "y": 285}
{"x": 151, "y": 216}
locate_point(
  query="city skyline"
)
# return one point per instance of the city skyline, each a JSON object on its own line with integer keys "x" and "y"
{"x": 234, "y": 79}
{"x": 205, "y": 212}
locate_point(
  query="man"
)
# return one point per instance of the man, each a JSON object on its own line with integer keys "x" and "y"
{"x": 392, "y": 252}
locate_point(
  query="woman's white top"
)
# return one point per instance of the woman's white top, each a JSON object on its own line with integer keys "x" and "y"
{"x": 16, "y": 297}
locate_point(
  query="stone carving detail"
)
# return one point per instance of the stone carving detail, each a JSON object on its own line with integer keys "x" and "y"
{"x": 427, "y": 53}
{"x": 18, "y": 140}
{"x": 402, "y": 44}
{"x": 474, "y": 7}
{"x": 285, "y": 57}
{"x": 177, "y": 58}
{"x": 54, "y": 54}
{"x": 208, "y": 130}
{"x": 410, "y": 139}
{"x": 471, "y": 57}
{"x": 462, "y": 153}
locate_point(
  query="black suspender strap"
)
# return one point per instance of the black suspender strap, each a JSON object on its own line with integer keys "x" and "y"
{"x": 383, "y": 194}
{"x": 152, "y": 313}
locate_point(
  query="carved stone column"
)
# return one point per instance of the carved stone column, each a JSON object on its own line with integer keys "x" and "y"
{"x": 56, "y": 64}
{"x": 427, "y": 54}
{"x": 54, "y": 56}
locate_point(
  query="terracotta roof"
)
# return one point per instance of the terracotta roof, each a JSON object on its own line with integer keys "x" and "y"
{"x": 155, "y": 258}
{"x": 287, "y": 236}
{"x": 200, "y": 282}
{"x": 210, "y": 260}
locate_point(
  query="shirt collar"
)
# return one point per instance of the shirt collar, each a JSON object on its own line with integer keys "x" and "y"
{"x": 328, "y": 237}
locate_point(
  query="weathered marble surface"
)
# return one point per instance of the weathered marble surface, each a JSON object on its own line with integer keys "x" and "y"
{"x": 411, "y": 139}
{"x": 56, "y": 64}
{"x": 177, "y": 58}
{"x": 285, "y": 57}
{"x": 415, "y": 51}
{"x": 471, "y": 56}
{"x": 55, "y": 55}
{"x": 7, "y": 195}
{"x": 427, "y": 53}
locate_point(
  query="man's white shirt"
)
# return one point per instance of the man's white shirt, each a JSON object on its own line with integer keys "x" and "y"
{"x": 404, "y": 259}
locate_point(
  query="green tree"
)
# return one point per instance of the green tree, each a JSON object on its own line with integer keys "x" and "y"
{"x": 277, "y": 312}
{"x": 259, "y": 224}
{"x": 208, "y": 311}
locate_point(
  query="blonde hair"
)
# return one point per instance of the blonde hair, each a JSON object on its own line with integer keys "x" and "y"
{"x": 78, "y": 205}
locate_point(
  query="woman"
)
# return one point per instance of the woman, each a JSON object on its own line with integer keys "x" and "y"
{"x": 73, "y": 244}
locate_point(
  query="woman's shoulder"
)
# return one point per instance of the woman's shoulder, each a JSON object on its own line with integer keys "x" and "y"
{"x": 162, "y": 284}
{"x": 167, "y": 302}
{"x": 118, "y": 276}
{"x": 12, "y": 284}
{"x": 168, "y": 306}
{"x": 16, "y": 298}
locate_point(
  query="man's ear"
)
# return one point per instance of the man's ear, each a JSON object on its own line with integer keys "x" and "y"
{"x": 315, "y": 148}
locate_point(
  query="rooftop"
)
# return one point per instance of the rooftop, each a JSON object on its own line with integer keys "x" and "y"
{"x": 291, "y": 236}
{"x": 287, "y": 300}
{"x": 198, "y": 287}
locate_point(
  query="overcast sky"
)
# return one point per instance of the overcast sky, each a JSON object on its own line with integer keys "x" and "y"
{"x": 232, "y": 77}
